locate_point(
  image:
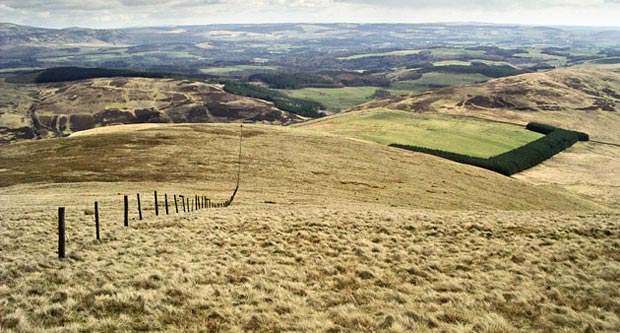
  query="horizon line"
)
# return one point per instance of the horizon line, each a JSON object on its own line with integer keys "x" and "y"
{"x": 327, "y": 23}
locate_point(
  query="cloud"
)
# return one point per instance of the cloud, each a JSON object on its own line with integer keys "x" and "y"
{"x": 119, "y": 13}
{"x": 487, "y": 4}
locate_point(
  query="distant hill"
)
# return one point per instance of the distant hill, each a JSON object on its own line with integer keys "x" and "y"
{"x": 59, "y": 109}
{"x": 13, "y": 34}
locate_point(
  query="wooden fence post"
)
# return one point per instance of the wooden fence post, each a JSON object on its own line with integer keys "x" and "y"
{"x": 176, "y": 205}
{"x": 126, "y": 211}
{"x": 139, "y": 207}
{"x": 97, "y": 219}
{"x": 183, "y": 200}
{"x": 156, "y": 205}
{"x": 61, "y": 232}
{"x": 166, "y": 201}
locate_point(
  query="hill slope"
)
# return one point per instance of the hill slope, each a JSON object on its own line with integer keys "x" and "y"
{"x": 13, "y": 35}
{"x": 62, "y": 108}
{"x": 585, "y": 99}
{"x": 280, "y": 164}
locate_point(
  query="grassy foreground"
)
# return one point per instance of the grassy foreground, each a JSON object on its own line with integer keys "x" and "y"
{"x": 463, "y": 135}
{"x": 277, "y": 268}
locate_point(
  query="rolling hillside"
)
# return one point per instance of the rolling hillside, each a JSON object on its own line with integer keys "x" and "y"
{"x": 275, "y": 158}
{"x": 581, "y": 98}
{"x": 459, "y": 134}
{"x": 326, "y": 233}
{"x": 13, "y": 35}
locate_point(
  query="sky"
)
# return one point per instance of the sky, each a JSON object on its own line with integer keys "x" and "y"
{"x": 131, "y": 13}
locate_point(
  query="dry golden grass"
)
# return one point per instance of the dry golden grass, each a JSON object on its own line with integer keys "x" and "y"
{"x": 326, "y": 235}
{"x": 587, "y": 169}
{"x": 303, "y": 268}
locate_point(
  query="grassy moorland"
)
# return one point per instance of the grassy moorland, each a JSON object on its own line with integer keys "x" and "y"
{"x": 276, "y": 157}
{"x": 462, "y": 135}
{"x": 326, "y": 234}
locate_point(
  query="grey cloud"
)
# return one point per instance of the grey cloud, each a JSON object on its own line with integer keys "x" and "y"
{"x": 169, "y": 3}
{"x": 478, "y": 4}
{"x": 118, "y": 13}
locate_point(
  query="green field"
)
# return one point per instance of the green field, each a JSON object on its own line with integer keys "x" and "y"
{"x": 447, "y": 52}
{"x": 234, "y": 69}
{"x": 537, "y": 55}
{"x": 463, "y": 135}
{"x": 434, "y": 80}
{"x": 381, "y": 54}
{"x": 451, "y": 52}
{"x": 334, "y": 98}
{"x": 469, "y": 62}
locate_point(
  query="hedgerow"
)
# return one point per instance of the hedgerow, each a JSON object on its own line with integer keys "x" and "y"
{"x": 546, "y": 129}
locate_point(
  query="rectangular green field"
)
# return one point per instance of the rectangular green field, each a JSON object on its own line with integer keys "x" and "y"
{"x": 334, "y": 98}
{"x": 458, "y": 134}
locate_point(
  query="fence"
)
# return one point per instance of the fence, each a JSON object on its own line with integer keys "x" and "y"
{"x": 189, "y": 204}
